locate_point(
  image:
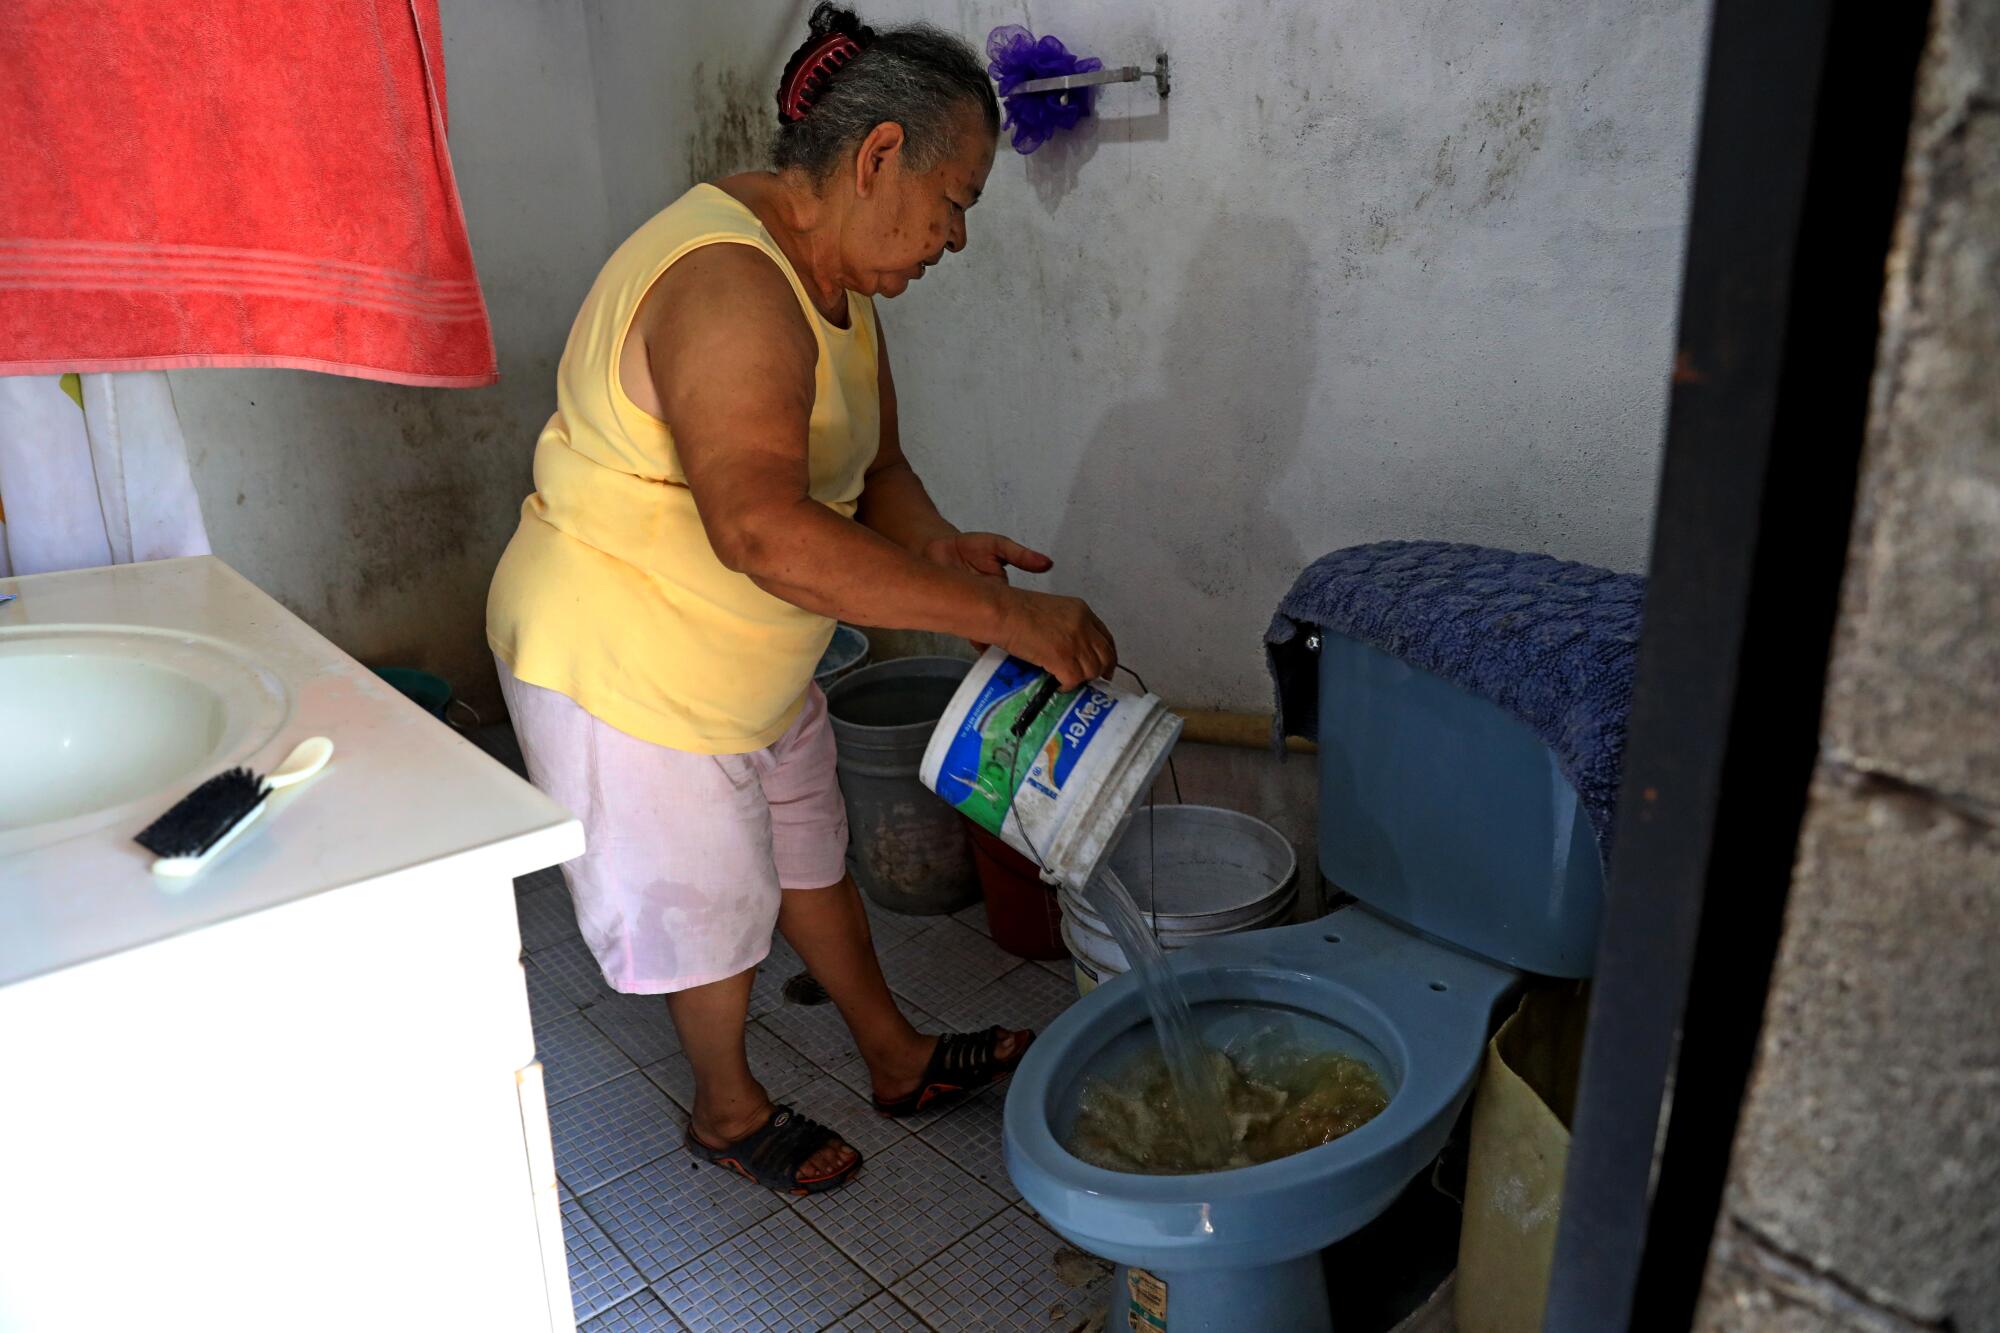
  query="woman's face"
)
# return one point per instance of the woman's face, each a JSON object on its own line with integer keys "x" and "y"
{"x": 903, "y": 222}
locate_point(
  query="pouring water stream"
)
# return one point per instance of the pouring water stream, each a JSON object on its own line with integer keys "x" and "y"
{"x": 1189, "y": 1064}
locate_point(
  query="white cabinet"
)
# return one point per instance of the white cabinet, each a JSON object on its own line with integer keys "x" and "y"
{"x": 301, "y": 1094}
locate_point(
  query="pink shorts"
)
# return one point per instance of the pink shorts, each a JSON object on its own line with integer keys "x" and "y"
{"x": 686, "y": 853}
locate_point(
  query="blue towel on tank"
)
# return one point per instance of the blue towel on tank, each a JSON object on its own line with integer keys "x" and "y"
{"x": 1550, "y": 641}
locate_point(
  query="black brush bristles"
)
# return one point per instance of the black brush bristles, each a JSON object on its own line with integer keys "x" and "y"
{"x": 201, "y": 818}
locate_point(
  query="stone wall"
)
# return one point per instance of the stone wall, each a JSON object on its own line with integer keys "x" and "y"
{"x": 1864, "y": 1193}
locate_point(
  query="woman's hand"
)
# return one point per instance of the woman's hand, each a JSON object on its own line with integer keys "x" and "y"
{"x": 986, "y": 553}
{"x": 1061, "y": 635}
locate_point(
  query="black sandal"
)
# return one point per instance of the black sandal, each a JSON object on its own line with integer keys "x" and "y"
{"x": 774, "y": 1155}
{"x": 962, "y": 1064}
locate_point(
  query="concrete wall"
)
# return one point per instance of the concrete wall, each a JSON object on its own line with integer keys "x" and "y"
{"x": 1865, "y": 1187}
{"x": 377, "y": 512}
{"x": 686, "y": 92}
{"x": 1372, "y": 271}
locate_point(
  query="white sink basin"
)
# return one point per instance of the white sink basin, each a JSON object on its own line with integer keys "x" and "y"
{"x": 96, "y": 718}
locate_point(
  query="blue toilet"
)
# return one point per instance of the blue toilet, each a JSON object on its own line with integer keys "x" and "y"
{"x": 1473, "y": 862}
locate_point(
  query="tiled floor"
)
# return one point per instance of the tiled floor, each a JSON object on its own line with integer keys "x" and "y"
{"x": 930, "y": 1236}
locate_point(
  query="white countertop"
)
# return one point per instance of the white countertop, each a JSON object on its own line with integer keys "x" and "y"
{"x": 403, "y": 789}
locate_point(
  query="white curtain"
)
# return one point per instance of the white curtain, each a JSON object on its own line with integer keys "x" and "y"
{"x": 103, "y": 481}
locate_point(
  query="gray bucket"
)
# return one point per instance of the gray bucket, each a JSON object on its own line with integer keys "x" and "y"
{"x": 908, "y": 849}
{"x": 847, "y": 652}
{"x": 1213, "y": 872}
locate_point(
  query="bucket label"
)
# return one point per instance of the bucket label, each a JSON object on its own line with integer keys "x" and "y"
{"x": 1086, "y": 714}
{"x": 1020, "y": 737}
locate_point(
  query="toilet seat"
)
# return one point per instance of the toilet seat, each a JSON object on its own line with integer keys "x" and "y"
{"x": 1420, "y": 1011}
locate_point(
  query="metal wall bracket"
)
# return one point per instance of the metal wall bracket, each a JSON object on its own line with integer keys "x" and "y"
{"x": 1123, "y": 74}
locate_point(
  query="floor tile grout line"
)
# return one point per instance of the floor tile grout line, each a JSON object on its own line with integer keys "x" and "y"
{"x": 613, "y": 1179}
{"x": 576, "y": 1193}
{"x": 644, "y": 1288}
{"x": 779, "y": 1037}
{"x": 798, "y": 1051}
{"x": 855, "y": 1310}
{"x": 578, "y": 1092}
{"x": 900, "y": 1303}
{"x": 616, "y": 1248}
{"x": 696, "y": 1258}
{"x": 906, "y": 1306}
{"x": 947, "y": 916}
{"x": 943, "y": 1156}
{"x": 1074, "y": 1327}
{"x": 1005, "y": 1204}
{"x": 585, "y": 1011}
{"x": 880, "y": 1286}
{"x": 866, "y": 1275}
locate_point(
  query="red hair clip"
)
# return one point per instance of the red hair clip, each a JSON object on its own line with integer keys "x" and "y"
{"x": 810, "y": 77}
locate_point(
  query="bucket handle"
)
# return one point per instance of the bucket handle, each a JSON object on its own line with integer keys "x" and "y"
{"x": 1043, "y": 693}
{"x": 457, "y": 702}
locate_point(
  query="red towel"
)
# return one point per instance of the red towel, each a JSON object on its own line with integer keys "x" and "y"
{"x": 232, "y": 183}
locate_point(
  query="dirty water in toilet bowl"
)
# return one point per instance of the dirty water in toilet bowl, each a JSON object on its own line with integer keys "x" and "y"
{"x": 1283, "y": 1094}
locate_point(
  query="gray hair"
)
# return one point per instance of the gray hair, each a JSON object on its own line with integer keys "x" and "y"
{"x": 916, "y": 76}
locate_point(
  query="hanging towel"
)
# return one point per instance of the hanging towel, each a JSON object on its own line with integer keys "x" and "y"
{"x": 93, "y": 473}
{"x": 1550, "y": 641}
{"x": 232, "y": 183}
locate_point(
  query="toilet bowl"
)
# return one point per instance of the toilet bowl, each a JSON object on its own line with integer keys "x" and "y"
{"x": 1415, "y": 1011}
{"x": 1439, "y": 814}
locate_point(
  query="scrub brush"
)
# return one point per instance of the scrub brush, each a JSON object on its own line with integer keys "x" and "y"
{"x": 213, "y": 815}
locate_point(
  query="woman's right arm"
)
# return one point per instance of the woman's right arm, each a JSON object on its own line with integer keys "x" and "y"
{"x": 732, "y": 358}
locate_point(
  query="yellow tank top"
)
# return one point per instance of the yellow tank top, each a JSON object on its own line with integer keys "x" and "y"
{"x": 609, "y": 591}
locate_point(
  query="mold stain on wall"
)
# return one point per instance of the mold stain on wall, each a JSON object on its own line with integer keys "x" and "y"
{"x": 1511, "y": 125}
{"x": 735, "y": 120}
{"x": 1476, "y": 166}
{"x": 423, "y": 529}
{"x": 405, "y": 582}
{"x": 1494, "y": 146}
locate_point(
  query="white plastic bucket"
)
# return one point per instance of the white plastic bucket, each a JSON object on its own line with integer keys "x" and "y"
{"x": 1088, "y": 923}
{"x": 1089, "y": 970}
{"x": 1195, "y": 872}
{"x": 1092, "y": 945}
{"x": 1055, "y": 773}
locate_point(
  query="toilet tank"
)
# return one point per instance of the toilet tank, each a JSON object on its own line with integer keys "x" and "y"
{"x": 1448, "y": 814}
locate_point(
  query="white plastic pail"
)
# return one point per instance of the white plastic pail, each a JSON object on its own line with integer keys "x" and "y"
{"x": 1055, "y": 773}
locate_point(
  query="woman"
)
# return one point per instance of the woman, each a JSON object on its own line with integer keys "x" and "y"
{"x": 722, "y": 479}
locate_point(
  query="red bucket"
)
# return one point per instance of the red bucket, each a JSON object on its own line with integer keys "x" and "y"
{"x": 1021, "y": 911}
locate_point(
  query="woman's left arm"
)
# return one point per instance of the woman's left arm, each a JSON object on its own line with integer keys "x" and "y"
{"x": 895, "y": 504}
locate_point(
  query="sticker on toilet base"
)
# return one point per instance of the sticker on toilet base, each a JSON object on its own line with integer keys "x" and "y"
{"x": 1147, "y": 1312}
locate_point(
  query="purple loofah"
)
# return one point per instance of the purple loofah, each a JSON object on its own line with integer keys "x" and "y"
{"x": 1017, "y": 57}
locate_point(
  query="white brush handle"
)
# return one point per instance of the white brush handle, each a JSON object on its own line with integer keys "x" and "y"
{"x": 306, "y": 759}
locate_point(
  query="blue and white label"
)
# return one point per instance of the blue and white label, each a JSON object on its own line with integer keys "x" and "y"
{"x": 1085, "y": 716}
